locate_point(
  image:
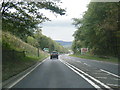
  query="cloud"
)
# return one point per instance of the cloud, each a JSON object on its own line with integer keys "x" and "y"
{"x": 61, "y": 28}
{"x": 59, "y": 23}
{"x": 59, "y": 33}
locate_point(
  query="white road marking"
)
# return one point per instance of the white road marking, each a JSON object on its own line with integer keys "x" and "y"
{"x": 96, "y": 61}
{"x": 89, "y": 81}
{"x": 13, "y": 84}
{"x": 77, "y": 61}
{"x": 117, "y": 79}
{"x": 85, "y": 64}
{"x": 110, "y": 73}
{"x": 102, "y": 77}
{"x": 89, "y": 76}
{"x": 113, "y": 84}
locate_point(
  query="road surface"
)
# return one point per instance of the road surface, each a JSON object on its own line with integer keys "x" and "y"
{"x": 71, "y": 72}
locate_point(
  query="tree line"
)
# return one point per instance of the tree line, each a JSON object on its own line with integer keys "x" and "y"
{"x": 42, "y": 41}
{"x": 23, "y": 20}
{"x": 98, "y": 30}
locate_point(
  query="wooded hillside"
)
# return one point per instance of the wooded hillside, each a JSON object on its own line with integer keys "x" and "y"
{"x": 99, "y": 29}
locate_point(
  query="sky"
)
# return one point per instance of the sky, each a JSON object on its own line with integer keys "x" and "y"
{"x": 61, "y": 28}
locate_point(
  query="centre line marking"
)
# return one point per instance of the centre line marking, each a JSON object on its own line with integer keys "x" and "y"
{"x": 87, "y": 75}
{"x": 78, "y": 61}
{"x": 110, "y": 73}
{"x": 86, "y": 64}
{"x": 89, "y": 81}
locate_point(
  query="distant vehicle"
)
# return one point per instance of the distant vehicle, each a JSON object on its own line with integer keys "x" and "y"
{"x": 54, "y": 54}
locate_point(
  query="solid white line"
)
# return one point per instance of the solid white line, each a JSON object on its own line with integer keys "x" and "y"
{"x": 25, "y": 75}
{"x": 89, "y": 76}
{"x": 89, "y": 81}
{"x": 110, "y": 73}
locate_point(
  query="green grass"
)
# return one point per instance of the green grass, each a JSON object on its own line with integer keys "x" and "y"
{"x": 14, "y": 67}
{"x": 110, "y": 59}
{"x": 14, "y": 64}
{"x": 11, "y": 42}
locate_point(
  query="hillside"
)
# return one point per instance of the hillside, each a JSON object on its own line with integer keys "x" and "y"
{"x": 64, "y": 43}
{"x": 18, "y": 55}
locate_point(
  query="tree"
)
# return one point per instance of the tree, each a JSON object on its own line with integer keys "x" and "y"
{"x": 46, "y": 42}
{"x": 98, "y": 29}
{"x": 32, "y": 41}
{"x": 22, "y": 18}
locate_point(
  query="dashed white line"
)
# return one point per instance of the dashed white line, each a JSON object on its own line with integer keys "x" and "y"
{"x": 92, "y": 83}
{"x": 85, "y": 64}
{"x": 113, "y": 84}
{"x": 78, "y": 61}
{"x": 110, "y": 73}
{"x": 89, "y": 76}
{"x": 102, "y": 77}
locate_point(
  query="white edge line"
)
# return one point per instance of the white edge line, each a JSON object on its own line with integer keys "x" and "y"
{"x": 90, "y": 76}
{"x": 110, "y": 73}
{"x": 92, "y": 83}
{"x": 25, "y": 75}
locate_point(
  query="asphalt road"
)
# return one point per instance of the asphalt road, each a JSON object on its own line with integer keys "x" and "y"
{"x": 59, "y": 73}
{"x": 111, "y": 67}
{"x": 106, "y": 72}
{"x": 53, "y": 74}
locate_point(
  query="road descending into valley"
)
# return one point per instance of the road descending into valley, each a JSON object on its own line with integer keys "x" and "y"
{"x": 71, "y": 72}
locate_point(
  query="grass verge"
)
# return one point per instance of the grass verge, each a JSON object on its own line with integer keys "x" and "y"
{"x": 110, "y": 59}
{"x": 14, "y": 67}
{"x": 16, "y": 62}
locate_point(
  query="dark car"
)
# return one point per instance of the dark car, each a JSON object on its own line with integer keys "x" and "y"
{"x": 54, "y": 54}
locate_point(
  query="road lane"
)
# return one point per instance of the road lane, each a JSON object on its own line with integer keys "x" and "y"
{"x": 111, "y": 67}
{"x": 95, "y": 70}
{"x": 53, "y": 74}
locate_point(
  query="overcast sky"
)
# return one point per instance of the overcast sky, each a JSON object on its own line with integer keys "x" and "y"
{"x": 61, "y": 28}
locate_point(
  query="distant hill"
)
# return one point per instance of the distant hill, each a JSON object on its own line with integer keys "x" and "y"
{"x": 64, "y": 43}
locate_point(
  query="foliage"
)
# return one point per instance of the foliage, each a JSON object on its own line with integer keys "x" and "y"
{"x": 98, "y": 29}
{"x": 10, "y": 42}
{"x": 12, "y": 68}
{"x": 22, "y": 18}
{"x": 32, "y": 41}
{"x": 46, "y": 42}
{"x": 14, "y": 64}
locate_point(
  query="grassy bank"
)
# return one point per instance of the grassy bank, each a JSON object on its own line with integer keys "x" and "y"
{"x": 11, "y": 68}
{"x": 90, "y": 57}
{"x": 13, "y": 59}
